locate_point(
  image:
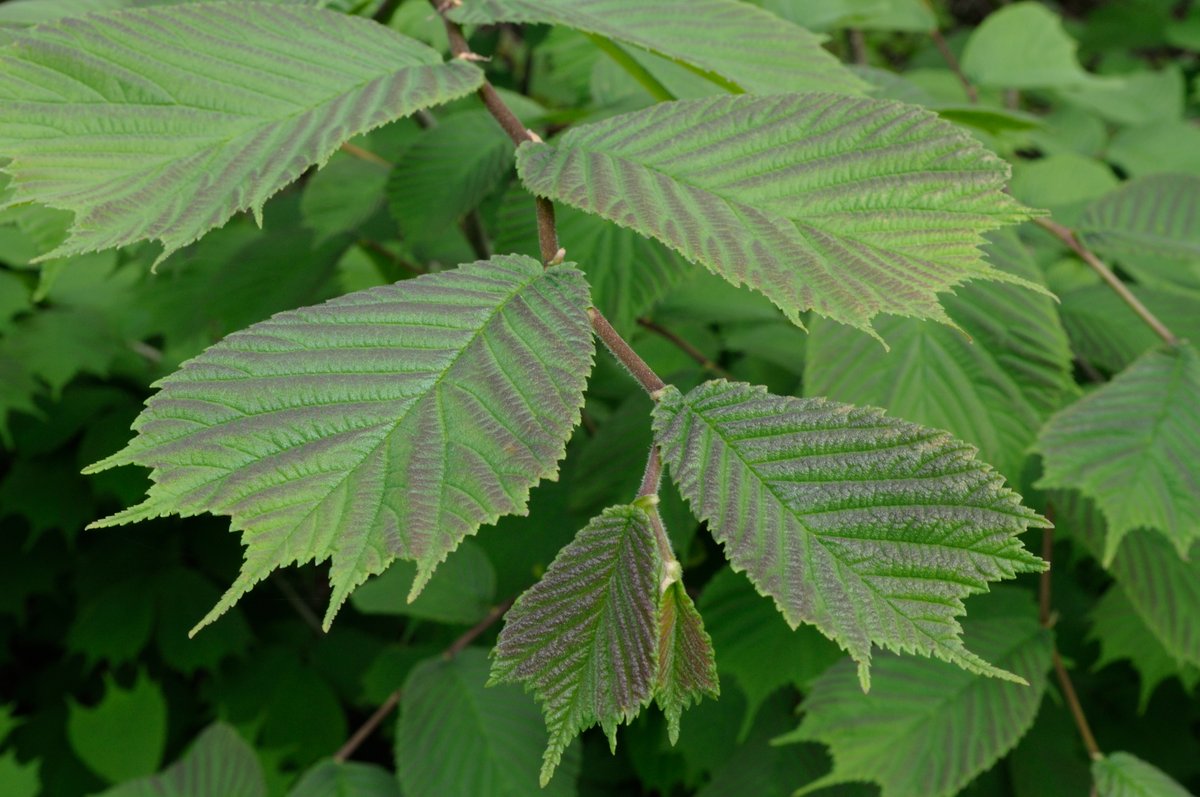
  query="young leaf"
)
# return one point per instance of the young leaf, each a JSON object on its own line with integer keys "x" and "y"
{"x": 387, "y": 424}
{"x": 870, "y": 528}
{"x": 218, "y": 764}
{"x": 687, "y": 670}
{"x": 851, "y": 207}
{"x": 1125, "y": 775}
{"x": 171, "y": 143}
{"x": 584, "y": 638}
{"x": 457, "y": 738}
{"x": 743, "y": 48}
{"x": 1124, "y": 446}
{"x": 927, "y": 728}
{"x": 993, "y": 390}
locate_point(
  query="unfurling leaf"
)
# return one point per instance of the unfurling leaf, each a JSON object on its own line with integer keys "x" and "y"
{"x": 848, "y": 206}
{"x": 870, "y": 528}
{"x": 1131, "y": 446}
{"x": 600, "y": 636}
{"x": 918, "y": 708}
{"x": 734, "y": 44}
{"x": 109, "y": 117}
{"x": 387, "y": 424}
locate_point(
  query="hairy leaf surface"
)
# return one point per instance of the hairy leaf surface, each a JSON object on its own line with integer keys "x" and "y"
{"x": 848, "y": 206}
{"x": 687, "y": 670}
{"x": 927, "y": 728}
{"x": 218, "y": 764}
{"x": 109, "y": 117}
{"x": 993, "y": 390}
{"x": 1129, "y": 446}
{"x": 743, "y": 48}
{"x": 387, "y": 424}
{"x": 870, "y": 528}
{"x": 584, "y": 638}
{"x": 458, "y": 738}
{"x": 1125, "y": 775}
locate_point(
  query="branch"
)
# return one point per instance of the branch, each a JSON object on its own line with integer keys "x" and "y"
{"x": 380, "y": 714}
{"x": 1067, "y": 237}
{"x": 685, "y": 347}
{"x": 951, "y": 60}
{"x": 1046, "y": 618}
{"x": 547, "y": 233}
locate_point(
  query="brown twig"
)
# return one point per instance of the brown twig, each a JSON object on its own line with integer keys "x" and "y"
{"x": 547, "y": 233}
{"x": 1069, "y": 238}
{"x": 684, "y": 346}
{"x": 1046, "y": 618}
{"x": 951, "y": 60}
{"x": 380, "y": 714}
{"x": 365, "y": 154}
{"x": 858, "y": 46}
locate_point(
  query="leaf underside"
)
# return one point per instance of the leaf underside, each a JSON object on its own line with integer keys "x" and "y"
{"x": 927, "y": 728}
{"x": 870, "y": 528}
{"x": 389, "y": 423}
{"x": 848, "y": 206}
{"x": 108, "y": 117}
{"x": 1130, "y": 445}
{"x": 687, "y": 668}
{"x": 742, "y": 47}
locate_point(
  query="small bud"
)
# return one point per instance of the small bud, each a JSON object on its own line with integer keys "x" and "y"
{"x": 476, "y": 57}
{"x": 656, "y": 395}
{"x": 534, "y": 137}
{"x": 559, "y": 257}
{"x": 672, "y": 572}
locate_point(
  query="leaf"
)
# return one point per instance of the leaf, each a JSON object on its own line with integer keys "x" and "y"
{"x": 870, "y": 528}
{"x": 332, "y": 778}
{"x": 735, "y": 45}
{"x": 848, "y": 206}
{"x": 1163, "y": 588}
{"x": 343, "y": 195}
{"x": 462, "y": 591}
{"x": 387, "y": 424}
{"x": 1148, "y": 221}
{"x": 264, "y": 92}
{"x": 686, "y": 669}
{"x": 124, "y": 735}
{"x": 1106, "y": 332}
{"x": 628, "y": 273}
{"x": 447, "y": 172}
{"x": 919, "y": 708}
{"x": 754, "y": 644}
{"x": 1125, "y": 775}
{"x": 457, "y": 738}
{"x": 1023, "y": 46}
{"x": 1123, "y": 635}
{"x": 17, "y": 779}
{"x": 993, "y": 389}
{"x": 584, "y": 638}
{"x": 1122, "y": 446}
{"x": 218, "y": 764}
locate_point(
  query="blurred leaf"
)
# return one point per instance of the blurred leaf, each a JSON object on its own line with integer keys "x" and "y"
{"x": 217, "y": 764}
{"x": 1124, "y": 775}
{"x": 346, "y": 779}
{"x": 124, "y": 735}
{"x": 1023, "y": 46}
{"x": 461, "y": 591}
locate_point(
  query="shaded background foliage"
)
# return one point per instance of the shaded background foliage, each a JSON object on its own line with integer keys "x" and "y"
{"x": 99, "y": 684}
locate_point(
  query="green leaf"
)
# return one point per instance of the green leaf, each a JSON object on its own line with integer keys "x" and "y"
{"x": 1123, "y": 445}
{"x": 218, "y": 764}
{"x": 457, "y": 738}
{"x": 17, "y": 779}
{"x": 1106, "y": 332}
{"x": 388, "y": 424}
{"x": 1023, "y": 46}
{"x": 1152, "y": 226}
{"x": 113, "y": 624}
{"x": 125, "y": 734}
{"x": 461, "y": 592}
{"x": 1122, "y": 634}
{"x": 1163, "y": 588}
{"x": 584, "y": 638}
{"x": 1124, "y": 775}
{"x": 1157, "y": 148}
{"x": 848, "y": 206}
{"x": 686, "y": 668}
{"x": 870, "y": 528}
{"x": 447, "y": 172}
{"x": 343, "y": 195}
{"x": 992, "y": 389}
{"x": 170, "y": 145}
{"x": 755, "y": 646}
{"x": 628, "y": 273}
{"x": 738, "y": 46}
{"x": 346, "y": 779}
{"x": 919, "y": 708}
